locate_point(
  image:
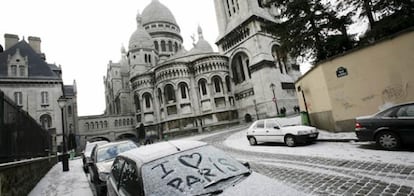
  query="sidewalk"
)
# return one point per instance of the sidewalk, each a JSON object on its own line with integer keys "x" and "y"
{"x": 59, "y": 183}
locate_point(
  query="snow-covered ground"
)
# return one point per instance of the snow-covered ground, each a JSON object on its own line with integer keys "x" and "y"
{"x": 340, "y": 150}
{"x": 58, "y": 183}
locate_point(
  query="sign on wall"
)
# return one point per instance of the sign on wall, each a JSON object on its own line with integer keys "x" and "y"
{"x": 341, "y": 72}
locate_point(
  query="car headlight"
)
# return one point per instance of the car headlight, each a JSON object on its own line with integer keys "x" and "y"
{"x": 303, "y": 132}
{"x": 103, "y": 176}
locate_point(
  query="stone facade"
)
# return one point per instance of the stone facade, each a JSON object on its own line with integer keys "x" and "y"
{"x": 171, "y": 91}
{"x": 35, "y": 85}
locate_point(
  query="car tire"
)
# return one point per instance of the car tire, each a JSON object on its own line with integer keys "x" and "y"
{"x": 388, "y": 140}
{"x": 252, "y": 141}
{"x": 290, "y": 140}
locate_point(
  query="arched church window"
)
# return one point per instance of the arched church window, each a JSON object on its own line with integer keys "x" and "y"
{"x": 202, "y": 85}
{"x": 170, "y": 46}
{"x": 279, "y": 57}
{"x": 46, "y": 121}
{"x": 239, "y": 66}
{"x": 22, "y": 70}
{"x": 147, "y": 99}
{"x": 217, "y": 84}
{"x": 137, "y": 103}
{"x": 175, "y": 47}
{"x": 156, "y": 45}
{"x": 87, "y": 126}
{"x": 146, "y": 58}
{"x": 116, "y": 123}
{"x": 183, "y": 90}
{"x": 163, "y": 47}
{"x": 228, "y": 84}
{"x": 169, "y": 93}
{"x": 159, "y": 96}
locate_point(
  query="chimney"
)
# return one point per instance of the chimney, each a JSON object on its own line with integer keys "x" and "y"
{"x": 10, "y": 40}
{"x": 34, "y": 42}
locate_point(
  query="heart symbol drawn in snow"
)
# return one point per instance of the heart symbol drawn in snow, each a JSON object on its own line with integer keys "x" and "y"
{"x": 192, "y": 160}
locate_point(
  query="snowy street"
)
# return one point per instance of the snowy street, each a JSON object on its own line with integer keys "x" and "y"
{"x": 322, "y": 168}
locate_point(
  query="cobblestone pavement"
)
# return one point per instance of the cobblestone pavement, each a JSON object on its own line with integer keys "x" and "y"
{"x": 325, "y": 176}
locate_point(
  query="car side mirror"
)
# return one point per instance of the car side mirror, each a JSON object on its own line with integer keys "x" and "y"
{"x": 276, "y": 127}
{"x": 246, "y": 164}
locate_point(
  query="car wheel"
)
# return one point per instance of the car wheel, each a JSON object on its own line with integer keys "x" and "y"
{"x": 388, "y": 140}
{"x": 252, "y": 141}
{"x": 290, "y": 141}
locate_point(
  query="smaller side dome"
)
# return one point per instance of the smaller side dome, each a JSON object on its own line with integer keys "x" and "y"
{"x": 202, "y": 46}
{"x": 140, "y": 38}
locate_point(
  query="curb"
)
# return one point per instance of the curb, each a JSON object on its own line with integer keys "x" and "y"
{"x": 336, "y": 140}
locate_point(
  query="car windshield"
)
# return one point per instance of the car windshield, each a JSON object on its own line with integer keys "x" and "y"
{"x": 89, "y": 147}
{"x": 110, "y": 152}
{"x": 193, "y": 172}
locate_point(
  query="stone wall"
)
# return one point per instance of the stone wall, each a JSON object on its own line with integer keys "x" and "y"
{"x": 19, "y": 178}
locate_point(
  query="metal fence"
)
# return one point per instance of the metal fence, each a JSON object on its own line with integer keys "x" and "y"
{"x": 21, "y": 137}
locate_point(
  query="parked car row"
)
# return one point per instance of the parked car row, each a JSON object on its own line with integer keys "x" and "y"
{"x": 174, "y": 168}
{"x": 100, "y": 161}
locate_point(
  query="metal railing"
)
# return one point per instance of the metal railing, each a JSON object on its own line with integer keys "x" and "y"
{"x": 21, "y": 137}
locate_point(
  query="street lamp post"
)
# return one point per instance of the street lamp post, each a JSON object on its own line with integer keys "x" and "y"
{"x": 272, "y": 86}
{"x": 65, "y": 158}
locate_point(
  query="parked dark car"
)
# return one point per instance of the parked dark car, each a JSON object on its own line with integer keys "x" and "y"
{"x": 86, "y": 154}
{"x": 102, "y": 157}
{"x": 186, "y": 168}
{"x": 389, "y": 128}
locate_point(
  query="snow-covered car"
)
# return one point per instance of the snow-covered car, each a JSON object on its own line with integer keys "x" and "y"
{"x": 271, "y": 130}
{"x": 102, "y": 158}
{"x": 86, "y": 154}
{"x": 187, "y": 168}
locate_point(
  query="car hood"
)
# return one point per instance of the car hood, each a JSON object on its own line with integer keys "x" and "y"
{"x": 104, "y": 166}
{"x": 257, "y": 184}
{"x": 299, "y": 128}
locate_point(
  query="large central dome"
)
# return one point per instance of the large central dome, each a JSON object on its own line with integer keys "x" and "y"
{"x": 157, "y": 12}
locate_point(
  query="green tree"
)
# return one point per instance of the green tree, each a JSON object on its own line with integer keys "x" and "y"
{"x": 308, "y": 28}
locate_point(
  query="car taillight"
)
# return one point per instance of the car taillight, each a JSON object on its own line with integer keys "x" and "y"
{"x": 358, "y": 126}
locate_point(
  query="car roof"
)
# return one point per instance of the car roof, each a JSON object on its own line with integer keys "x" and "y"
{"x": 114, "y": 143}
{"x": 148, "y": 153}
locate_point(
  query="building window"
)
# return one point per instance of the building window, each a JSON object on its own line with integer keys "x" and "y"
{"x": 163, "y": 48}
{"x": 202, "y": 85}
{"x": 183, "y": 89}
{"x": 159, "y": 96}
{"x": 280, "y": 58}
{"x": 170, "y": 46}
{"x": 18, "y": 98}
{"x": 116, "y": 123}
{"x": 239, "y": 64}
{"x": 217, "y": 84}
{"x": 45, "y": 98}
{"x": 14, "y": 70}
{"x": 169, "y": 93}
{"x": 156, "y": 45}
{"x": 106, "y": 124}
{"x": 70, "y": 110}
{"x": 137, "y": 103}
{"x": 147, "y": 98}
{"x": 87, "y": 126}
{"x": 228, "y": 84}
{"x": 176, "y": 47}
{"x": 46, "y": 121}
{"x": 22, "y": 70}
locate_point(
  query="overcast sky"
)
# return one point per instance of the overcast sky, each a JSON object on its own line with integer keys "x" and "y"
{"x": 83, "y": 35}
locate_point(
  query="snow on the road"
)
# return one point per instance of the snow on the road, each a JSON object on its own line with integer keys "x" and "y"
{"x": 338, "y": 150}
{"x": 59, "y": 183}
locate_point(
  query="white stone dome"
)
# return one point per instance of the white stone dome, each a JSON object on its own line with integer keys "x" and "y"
{"x": 157, "y": 12}
{"x": 140, "y": 38}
